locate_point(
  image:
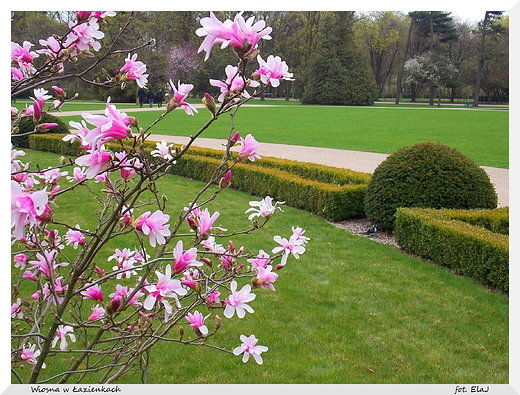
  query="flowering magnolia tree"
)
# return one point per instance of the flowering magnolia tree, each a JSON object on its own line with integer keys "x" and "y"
{"x": 75, "y": 313}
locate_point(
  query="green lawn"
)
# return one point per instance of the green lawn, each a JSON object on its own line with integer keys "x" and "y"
{"x": 481, "y": 134}
{"x": 348, "y": 311}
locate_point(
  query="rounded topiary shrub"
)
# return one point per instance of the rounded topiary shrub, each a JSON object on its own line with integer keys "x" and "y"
{"x": 426, "y": 175}
{"x": 27, "y": 126}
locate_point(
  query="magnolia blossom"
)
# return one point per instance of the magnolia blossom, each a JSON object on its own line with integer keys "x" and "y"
{"x": 95, "y": 161}
{"x": 261, "y": 260}
{"x": 97, "y": 314}
{"x": 183, "y": 259}
{"x": 154, "y": 225}
{"x": 25, "y": 208}
{"x": 249, "y": 347}
{"x": 53, "y": 51}
{"x": 20, "y": 260}
{"x": 127, "y": 166}
{"x": 292, "y": 247}
{"x": 46, "y": 263}
{"x": 265, "y": 277}
{"x": 298, "y": 235}
{"x": 30, "y": 355}
{"x": 248, "y": 149}
{"x": 166, "y": 287}
{"x": 180, "y": 93}
{"x": 134, "y": 70}
{"x": 52, "y": 175}
{"x": 239, "y": 34}
{"x": 22, "y": 56}
{"x": 78, "y": 175}
{"x": 74, "y": 237}
{"x": 237, "y": 301}
{"x": 93, "y": 293}
{"x": 16, "y": 310}
{"x": 234, "y": 84}
{"x": 84, "y": 35}
{"x": 196, "y": 320}
{"x": 61, "y": 334}
{"x": 265, "y": 208}
{"x": 125, "y": 262}
{"x": 272, "y": 71}
{"x": 163, "y": 150}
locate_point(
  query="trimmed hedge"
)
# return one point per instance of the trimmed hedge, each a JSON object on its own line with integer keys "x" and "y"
{"x": 332, "y": 193}
{"x": 473, "y": 243}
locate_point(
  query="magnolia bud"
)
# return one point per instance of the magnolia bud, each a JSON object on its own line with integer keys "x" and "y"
{"x": 218, "y": 322}
{"x": 258, "y": 282}
{"x": 226, "y": 180}
{"x": 209, "y": 103}
{"x": 181, "y": 331}
{"x": 234, "y": 139}
{"x": 206, "y": 261}
{"x": 133, "y": 122}
{"x": 172, "y": 104}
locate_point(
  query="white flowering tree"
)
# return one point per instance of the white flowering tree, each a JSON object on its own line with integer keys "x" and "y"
{"x": 105, "y": 316}
{"x": 430, "y": 67}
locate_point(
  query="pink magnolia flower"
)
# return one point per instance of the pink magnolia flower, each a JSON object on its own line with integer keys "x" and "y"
{"x": 93, "y": 293}
{"x": 265, "y": 277}
{"x": 84, "y": 35}
{"x": 272, "y": 71}
{"x": 97, "y": 314}
{"x": 53, "y": 51}
{"x": 114, "y": 125}
{"x": 56, "y": 292}
{"x": 237, "y": 301}
{"x": 234, "y": 84}
{"x": 25, "y": 207}
{"x": 78, "y": 175}
{"x": 61, "y": 334}
{"x": 74, "y": 237}
{"x": 46, "y": 263}
{"x": 94, "y": 161}
{"x": 180, "y": 93}
{"x": 163, "y": 150}
{"x": 31, "y": 354}
{"x": 166, "y": 287}
{"x": 127, "y": 166}
{"x": 289, "y": 247}
{"x": 249, "y": 347}
{"x": 22, "y": 56}
{"x": 298, "y": 235}
{"x": 196, "y": 320}
{"x": 239, "y": 34}
{"x": 134, "y": 70}
{"x": 20, "y": 260}
{"x": 52, "y": 175}
{"x": 206, "y": 221}
{"x": 125, "y": 262}
{"x": 263, "y": 208}
{"x": 16, "y": 310}
{"x": 261, "y": 260}
{"x": 154, "y": 225}
{"x": 183, "y": 259}
{"x": 248, "y": 149}
{"x": 213, "y": 297}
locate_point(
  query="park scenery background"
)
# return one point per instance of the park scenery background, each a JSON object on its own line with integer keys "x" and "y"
{"x": 350, "y": 310}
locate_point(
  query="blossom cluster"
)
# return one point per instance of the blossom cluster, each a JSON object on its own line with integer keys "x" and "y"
{"x": 147, "y": 285}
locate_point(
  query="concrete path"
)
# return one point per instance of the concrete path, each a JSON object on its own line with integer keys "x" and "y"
{"x": 354, "y": 160}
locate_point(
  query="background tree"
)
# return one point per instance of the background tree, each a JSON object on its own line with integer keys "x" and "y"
{"x": 488, "y": 26}
{"x": 382, "y": 34}
{"x": 338, "y": 72}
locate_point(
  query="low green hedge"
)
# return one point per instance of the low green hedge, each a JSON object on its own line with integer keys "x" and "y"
{"x": 474, "y": 243}
{"x": 332, "y": 193}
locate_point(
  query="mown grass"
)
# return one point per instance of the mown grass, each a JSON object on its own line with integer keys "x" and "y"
{"x": 481, "y": 134}
{"x": 348, "y": 311}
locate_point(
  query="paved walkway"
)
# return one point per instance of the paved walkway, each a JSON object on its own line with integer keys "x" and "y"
{"x": 354, "y": 160}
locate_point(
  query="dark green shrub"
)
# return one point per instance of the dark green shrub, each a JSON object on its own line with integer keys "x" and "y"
{"x": 27, "y": 126}
{"x": 427, "y": 175}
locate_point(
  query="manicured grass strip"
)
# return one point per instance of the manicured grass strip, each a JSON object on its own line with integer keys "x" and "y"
{"x": 482, "y": 135}
{"x": 348, "y": 311}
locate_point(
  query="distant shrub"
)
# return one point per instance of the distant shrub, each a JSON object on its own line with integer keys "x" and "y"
{"x": 427, "y": 175}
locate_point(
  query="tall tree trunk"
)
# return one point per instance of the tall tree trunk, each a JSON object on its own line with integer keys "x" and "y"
{"x": 400, "y": 75}
{"x": 431, "y": 88}
{"x": 481, "y": 60}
